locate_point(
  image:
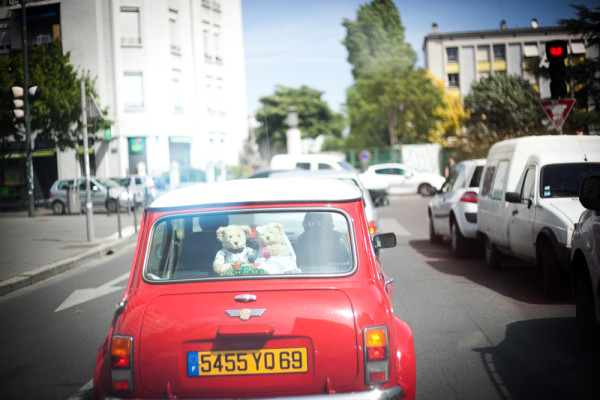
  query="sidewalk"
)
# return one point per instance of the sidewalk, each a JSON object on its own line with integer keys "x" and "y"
{"x": 35, "y": 248}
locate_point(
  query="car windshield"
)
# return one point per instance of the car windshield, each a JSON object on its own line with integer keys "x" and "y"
{"x": 564, "y": 180}
{"x": 107, "y": 182}
{"x": 250, "y": 244}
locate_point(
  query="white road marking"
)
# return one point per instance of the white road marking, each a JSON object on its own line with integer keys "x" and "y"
{"x": 83, "y": 392}
{"x": 82, "y": 295}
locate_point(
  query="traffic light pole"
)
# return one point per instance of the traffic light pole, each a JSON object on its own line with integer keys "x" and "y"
{"x": 28, "y": 142}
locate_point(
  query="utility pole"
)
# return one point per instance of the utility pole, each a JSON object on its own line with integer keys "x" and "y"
{"x": 28, "y": 141}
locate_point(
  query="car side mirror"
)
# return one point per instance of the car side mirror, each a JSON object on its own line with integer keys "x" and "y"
{"x": 384, "y": 240}
{"x": 512, "y": 197}
{"x": 95, "y": 188}
{"x": 589, "y": 194}
{"x": 381, "y": 201}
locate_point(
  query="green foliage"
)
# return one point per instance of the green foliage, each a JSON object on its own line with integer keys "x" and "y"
{"x": 314, "y": 115}
{"x": 391, "y": 101}
{"x": 55, "y": 114}
{"x": 501, "y": 107}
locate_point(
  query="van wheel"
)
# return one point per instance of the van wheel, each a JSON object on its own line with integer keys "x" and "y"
{"x": 111, "y": 205}
{"x": 458, "y": 242}
{"x": 548, "y": 264}
{"x": 58, "y": 208}
{"x": 433, "y": 237}
{"x": 493, "y": 257}
{"x": 425, "y": 189}
{"x": 585, "y": 314}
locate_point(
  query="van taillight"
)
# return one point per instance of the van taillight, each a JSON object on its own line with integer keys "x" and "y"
{"x": 121, "y": 363}
{"x": 469, "y": 197}
{"x": 377, "y": 355}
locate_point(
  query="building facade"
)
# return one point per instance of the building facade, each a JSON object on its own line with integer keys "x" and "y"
{"x": 171, "y": 73}
{"x": 462, "y": 58}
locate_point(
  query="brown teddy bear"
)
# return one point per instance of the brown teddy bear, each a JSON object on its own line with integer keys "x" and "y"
{"x": 234, "y": 251}
{"x": 274, "y": 254}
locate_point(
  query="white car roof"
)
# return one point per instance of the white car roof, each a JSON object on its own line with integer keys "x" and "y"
{"x": 260, "y": 190}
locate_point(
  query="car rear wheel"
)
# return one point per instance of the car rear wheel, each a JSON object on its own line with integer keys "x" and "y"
{"x": 58, "y": 207}
{"x": 585, "y": 315}
{"x": 433, "y": 237}
{"x": 458, "y": 242}
{"x": 493, "y": 257}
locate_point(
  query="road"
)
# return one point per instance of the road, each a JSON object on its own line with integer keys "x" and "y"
{"x": 479, "y": 334}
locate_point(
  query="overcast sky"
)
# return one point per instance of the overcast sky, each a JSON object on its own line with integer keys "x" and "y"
{"x": 298, "y": 42}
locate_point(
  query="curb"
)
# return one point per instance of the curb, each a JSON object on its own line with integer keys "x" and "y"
{"x": 58, "y": 267}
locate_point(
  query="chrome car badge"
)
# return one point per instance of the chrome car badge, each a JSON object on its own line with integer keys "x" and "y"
{"x": 246, "y": 313}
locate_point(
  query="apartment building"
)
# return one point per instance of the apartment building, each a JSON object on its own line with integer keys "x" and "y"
{"x": 461, "y": 58}
{"x": 171, "y": 73}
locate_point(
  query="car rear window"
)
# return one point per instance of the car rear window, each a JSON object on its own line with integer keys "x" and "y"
{"x": 564, "y": 180}
{"x": 284, "y": 244}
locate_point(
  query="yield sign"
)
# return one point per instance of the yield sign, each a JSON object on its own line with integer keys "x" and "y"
{"x": 557, "y": 111}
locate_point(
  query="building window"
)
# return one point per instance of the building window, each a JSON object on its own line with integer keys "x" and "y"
{"x": 217, "y": 44}
{"x": 130, "y": 26}
{"x": 499, "y": 52}
{"x": 133, "y": 91}
{"x": 453, "y": 81}
{"x": 177, "y": 95}
{"x": 207, "y": 42}
{"x": 174, "y": 32}
{"x": 452, "y": 54}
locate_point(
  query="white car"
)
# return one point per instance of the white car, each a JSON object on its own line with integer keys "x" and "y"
{"x": 401, "y": 179}
{"x": 369, "y": 203}
{"x": 585, "y": 261}
{"x": 453, "y": 210}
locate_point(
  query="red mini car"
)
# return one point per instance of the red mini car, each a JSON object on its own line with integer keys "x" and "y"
{"x": 257, "y": 288}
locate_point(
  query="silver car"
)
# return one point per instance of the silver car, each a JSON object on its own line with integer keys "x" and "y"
{"x": 585, "y": 262}
{"x": 453, "y": 210}
{"x": 142, "y": 188}
{"x": 105, "y": 193}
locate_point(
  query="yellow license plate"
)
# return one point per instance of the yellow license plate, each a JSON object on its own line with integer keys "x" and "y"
{"x": 247, "y": 362}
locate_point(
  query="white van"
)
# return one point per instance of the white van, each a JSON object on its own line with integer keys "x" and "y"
{"x": 528, "y": 199}
{"x": 310, "y": 162}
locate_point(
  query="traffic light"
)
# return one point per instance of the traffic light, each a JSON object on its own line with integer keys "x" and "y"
{"x": 556, "y": 52}
{"x": 18, "y": 99}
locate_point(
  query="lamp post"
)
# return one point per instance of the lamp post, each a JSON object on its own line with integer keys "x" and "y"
{"x": 28, "y": 142}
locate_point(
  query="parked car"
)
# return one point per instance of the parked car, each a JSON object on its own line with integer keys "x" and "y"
{"x": 585, "y": 262}
{"x": 527, "y": 204}
{"x": 453, "y": 210}
{"x": 142, "y": 188}
{"x": 370, "y": 204}
{"x": 99, "y": 187}
{"x": 401, "y": 179}
{"x": 183, "y": 330}
{"x": 310, "y": 161}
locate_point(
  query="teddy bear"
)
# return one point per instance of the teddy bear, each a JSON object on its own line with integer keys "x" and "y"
{"x": 274, "y": 253}
{"x": 234, "y": 251}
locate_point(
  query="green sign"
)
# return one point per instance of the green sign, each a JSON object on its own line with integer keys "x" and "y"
{"x": 136, "y": 145}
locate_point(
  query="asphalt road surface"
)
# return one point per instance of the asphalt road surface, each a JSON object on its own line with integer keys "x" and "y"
{"x": 479, "y": 334}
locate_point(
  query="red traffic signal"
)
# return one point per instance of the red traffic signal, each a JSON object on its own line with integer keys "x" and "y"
{"x": 556, "y": 49}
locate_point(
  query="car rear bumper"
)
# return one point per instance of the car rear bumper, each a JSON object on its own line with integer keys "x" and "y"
{"x": 385, "y": 394}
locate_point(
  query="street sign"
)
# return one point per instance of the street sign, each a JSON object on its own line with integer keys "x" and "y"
{"x": 557, "y": 111}
{"x": 364, "y": 156}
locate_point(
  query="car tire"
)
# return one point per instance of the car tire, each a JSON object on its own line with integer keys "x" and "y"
{"x": 585, "y": 313}
{"x": 549, "y": 267}
{"x": 111, "y": 205}
{"x": 493, "y": 256}
{"x": 425, "y": 189}
{"x": 58, "y": 207}
{"x": 458, "y": 242}
{"x": 433, "y": 237}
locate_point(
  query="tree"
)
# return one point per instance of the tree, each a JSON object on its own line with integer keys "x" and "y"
{"x": 500, "y": 107}
{"x": 314, "y": 115}
{"x": 56, "y": 111}
{"x": 451, "y": 116}
{"x": 391, "y": 101}
{"x": 584, "y": 74}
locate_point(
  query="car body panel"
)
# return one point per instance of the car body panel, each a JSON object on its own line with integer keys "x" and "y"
{"x": 173, "y": 321}
{"x": 98, "y": 191}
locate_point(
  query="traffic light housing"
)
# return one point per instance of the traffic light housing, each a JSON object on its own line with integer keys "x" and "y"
{"x": 18, "y": 99}
{"x": 556, "y": 52}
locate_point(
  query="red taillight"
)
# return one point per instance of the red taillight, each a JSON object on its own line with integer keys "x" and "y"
{"x": 372, "y": 228}
{"x": 121, "y": 363}
{"x": 377, "y": 362}
{"x": 469, "y": 197}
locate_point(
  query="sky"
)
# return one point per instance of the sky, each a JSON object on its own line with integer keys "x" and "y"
{"x": 299, "y": 42}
